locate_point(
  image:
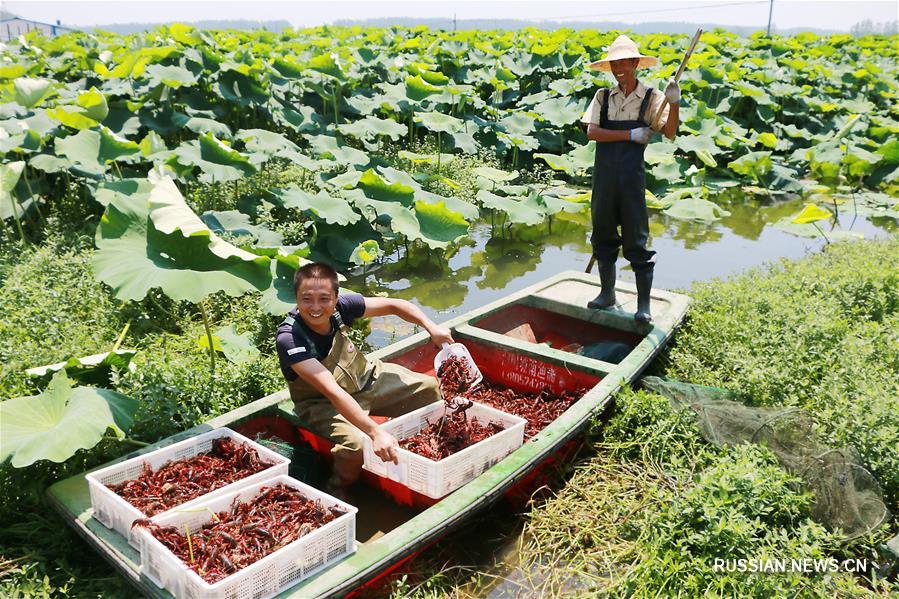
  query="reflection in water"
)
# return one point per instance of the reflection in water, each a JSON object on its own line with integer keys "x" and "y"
{"x": 492, "y": 264}
{"x": 506, "y": 259}
{"x": 692, "y": 234}
{"x": 749, "y": 216}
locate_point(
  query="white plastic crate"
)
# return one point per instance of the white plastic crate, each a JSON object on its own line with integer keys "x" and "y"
{"x": 438, "y": 479}
{"x": 264, "y": 578}
{"x": 114, "y": 512}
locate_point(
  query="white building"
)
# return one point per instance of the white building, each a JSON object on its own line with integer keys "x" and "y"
{"x": 12, "y": 27}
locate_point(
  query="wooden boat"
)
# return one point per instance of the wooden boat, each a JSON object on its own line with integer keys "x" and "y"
{"x": 393, "y": 523}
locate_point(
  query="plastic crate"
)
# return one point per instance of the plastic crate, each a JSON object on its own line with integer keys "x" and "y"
{"x": 268, "y": 576}
{"x": 114, "y": 512}
{"x": 438, "y": 479}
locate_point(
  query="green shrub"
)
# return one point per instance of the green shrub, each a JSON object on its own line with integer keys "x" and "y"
{"x": 53, "y": 309}
{"x": 743, "y": 506}
{"x": 644, "y": 427}
{"x": 818, "y": 333}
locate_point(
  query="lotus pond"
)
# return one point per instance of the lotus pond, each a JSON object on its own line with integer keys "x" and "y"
{"x": 158, "y": 191}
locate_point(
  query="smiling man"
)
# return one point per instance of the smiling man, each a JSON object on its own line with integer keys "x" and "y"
{"x": 333, "y": 384}
{"x": 619, "y": 120}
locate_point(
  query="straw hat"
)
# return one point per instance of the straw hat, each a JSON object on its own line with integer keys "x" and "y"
{"x": 623, "y": 47}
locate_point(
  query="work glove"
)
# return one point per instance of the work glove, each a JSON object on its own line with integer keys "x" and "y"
{"x": 672, "y": 92}
{"x": 641, "y": 135}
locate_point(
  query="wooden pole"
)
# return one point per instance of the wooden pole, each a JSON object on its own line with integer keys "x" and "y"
{"x": 677, "y": 75}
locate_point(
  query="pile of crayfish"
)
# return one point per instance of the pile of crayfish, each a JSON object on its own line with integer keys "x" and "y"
{"x": 246, "y": 533}
{"x": 452, "y": 432}
{"x": 180, "y": 481}
{"x": 539, "y": 409}
{"x": 448, "y": 435}
{"x": 454, "y": 376}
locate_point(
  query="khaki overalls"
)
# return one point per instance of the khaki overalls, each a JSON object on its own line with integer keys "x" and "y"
{"x": 379, "y": 387}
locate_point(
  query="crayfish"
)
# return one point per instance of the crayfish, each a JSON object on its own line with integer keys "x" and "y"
{"x": 180, "y": 481}
{"x": 247, "y": 532}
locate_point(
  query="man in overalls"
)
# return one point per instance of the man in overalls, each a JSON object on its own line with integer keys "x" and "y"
{"x": 619, "y": 120}
{"x": 331, "y": 382}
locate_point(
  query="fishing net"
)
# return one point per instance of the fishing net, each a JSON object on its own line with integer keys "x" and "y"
{"x": 305, "y": 463}
{"x": 847, "y": 496}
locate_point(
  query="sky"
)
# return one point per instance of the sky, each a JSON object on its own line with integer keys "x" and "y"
{"x": 826, "y": 14}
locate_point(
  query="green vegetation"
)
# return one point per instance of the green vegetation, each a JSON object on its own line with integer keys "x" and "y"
{"x": 653, "y": 504}
{"x": 158, "y": 191}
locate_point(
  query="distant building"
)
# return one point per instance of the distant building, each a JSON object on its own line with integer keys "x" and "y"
{"x": 12, "y": 27}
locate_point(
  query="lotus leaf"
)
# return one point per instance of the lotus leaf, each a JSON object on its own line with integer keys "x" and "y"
{"x": 48, "y": 163}
{"x": 211, "y": 126}
{"x": 331, "y": 209}
{"x": 812, "y": 231}
{"x": 465, "y": 142}
{"x": 329, "y": 146}
{"x": 163, "y": 244}
{"x": 303, "y": 120}
{"x": 164, "y": 122}
{"x": 522, "y": 142}
{"x": 60, "y": 421}
{"x": 152, "y": 145}
{"x": 753, "y": 164}
{"x": 337, "y": 243}
{"x": 439, "y": 122}
{"x": 549, "y": 204}
{"x": 237, "y": 224}
{"x": 466, "y": 209}
{"x": 30, "y": 92}
{"x": 439, "y": 225}
{"x": 171, "y": 76}
{"x": 371, "y": 127}
{"x": 265, "y": 142}
{"x": 136, "y": 190}
{"x": 241, "y": 88}
{"x": 327, "y": 64}
{"x": 91, "y": 151}
{"x": 518, "y": 123}
{"x": 28, "y": 141}
{"x": 89, "y": 370}
{"x": 377, "y": 188}
{"x": 217, "y": 161}
{"x": 237, "y": 348}
{"x": 418, "y": 89}
{"x": 9, "y": 176}
{"x": 93, "y": 103}
{"x": 516, "y": 209}
{"x": 493, "y": 174}
{"x": 825, "y": 159}
{"x": 184, "y": 34}
{"x": 693, "y": 208}
{"x": 812, "y": 213}
{"x": 671, "y": 172}
{"x": 366, "y": 252}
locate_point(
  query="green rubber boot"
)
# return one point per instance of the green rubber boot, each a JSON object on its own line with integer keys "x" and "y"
{"x": 644, "y": 286}
{"x": 606, "y": 297}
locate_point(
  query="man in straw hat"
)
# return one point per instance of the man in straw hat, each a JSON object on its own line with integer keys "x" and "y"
{"x": 620, "y": 121}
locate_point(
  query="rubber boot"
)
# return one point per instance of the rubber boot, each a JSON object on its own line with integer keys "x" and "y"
{"x": 644, "y": 286}
{"x": 606, "y": 297}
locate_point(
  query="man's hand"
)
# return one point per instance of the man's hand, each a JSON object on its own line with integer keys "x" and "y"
{"x": 440, "y": 335}
{"x": 641, "y": 135}
{"x": 385, "y": 445}
{"x": 672, "y": 92}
